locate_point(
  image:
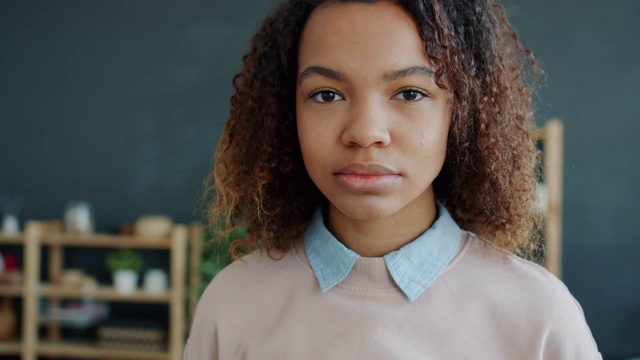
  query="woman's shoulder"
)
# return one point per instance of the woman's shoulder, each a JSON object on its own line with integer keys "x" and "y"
{"x": 255, "y": 275}
{"x": 516, "y": 288}
{"x": 500, "y": 266}
{"x": 513, "y": 284}
{"x": 263, "y": 264}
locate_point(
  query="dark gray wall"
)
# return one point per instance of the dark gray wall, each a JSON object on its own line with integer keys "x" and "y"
{"x": 591, "y": 54}
{"x": 121, "y": 103}
{"x": 116, "y": 102}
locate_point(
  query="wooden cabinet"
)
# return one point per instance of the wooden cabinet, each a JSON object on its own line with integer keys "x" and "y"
{"x": 32, "y": 289}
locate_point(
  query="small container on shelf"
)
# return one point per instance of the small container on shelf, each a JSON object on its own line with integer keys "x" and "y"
{"x": 153, "y": 226}
{"x": 10, "y": 273}
{"x": 155, "y": 282}
{"x": 11, "y": 204}
{"x": 78, "y": 218}
{"x": 10, "y": 225}
{"x": 75, "y": 314}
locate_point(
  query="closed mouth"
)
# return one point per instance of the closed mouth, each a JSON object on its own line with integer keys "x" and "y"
{"x": 365, "y": 169}
{"x": 366, "y": 178}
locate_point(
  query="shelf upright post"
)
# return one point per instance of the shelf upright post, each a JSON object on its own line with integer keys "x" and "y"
{"x": 553, "y": 178}
{"x": 56, "y": 261}
{"x": 195, "y": 275}
{"x": 33, "y": 232}
{"x": 179, "y": 237}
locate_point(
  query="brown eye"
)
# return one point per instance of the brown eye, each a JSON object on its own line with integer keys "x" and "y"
{"x": 326, "y": 96}
{"x": 410, "y": 95}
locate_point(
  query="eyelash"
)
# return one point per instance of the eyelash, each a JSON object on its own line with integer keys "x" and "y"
{"x": 320, "y": 91}
{"x": 420, "y": 92}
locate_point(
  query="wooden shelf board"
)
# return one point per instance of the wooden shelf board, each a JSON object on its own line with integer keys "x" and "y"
{"x": 12, "y": 239}
{"x": 10, "y": 347}
{"x": 106, "y": 240}
{"x": 84, "y": 350}
{"x": 11, "y": 290}
{"x": 102, "y": 293}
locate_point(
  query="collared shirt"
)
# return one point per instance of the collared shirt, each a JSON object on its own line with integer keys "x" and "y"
{"x": 413, "y": 267}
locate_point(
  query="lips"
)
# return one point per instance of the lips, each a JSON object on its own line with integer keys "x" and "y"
{"x": 366, "y": 177}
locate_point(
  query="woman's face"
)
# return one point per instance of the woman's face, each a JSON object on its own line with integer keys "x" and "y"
{"x": 372, "y": 123}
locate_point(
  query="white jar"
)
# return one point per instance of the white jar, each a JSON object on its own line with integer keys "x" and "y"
{"x": 155, "y": 281}
{"x": 10, "y": 225}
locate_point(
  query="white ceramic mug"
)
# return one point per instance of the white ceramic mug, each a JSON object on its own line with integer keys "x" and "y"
{"x": 155, "y": 281}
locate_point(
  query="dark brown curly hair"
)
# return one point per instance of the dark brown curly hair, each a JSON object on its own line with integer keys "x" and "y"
{"x": 489, "y": 177}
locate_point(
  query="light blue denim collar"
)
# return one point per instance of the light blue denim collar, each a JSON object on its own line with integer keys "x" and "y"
{"x": 413, "y": 267}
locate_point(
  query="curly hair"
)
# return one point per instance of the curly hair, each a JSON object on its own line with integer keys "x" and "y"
{"x": 489, "y": 177}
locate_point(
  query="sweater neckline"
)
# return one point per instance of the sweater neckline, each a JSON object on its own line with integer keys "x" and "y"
{"x": 369, "y": 274}
{"x": 412, "y": 268}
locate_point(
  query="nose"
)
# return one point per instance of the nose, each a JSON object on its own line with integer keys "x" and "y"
{"x": 366, "y": 126}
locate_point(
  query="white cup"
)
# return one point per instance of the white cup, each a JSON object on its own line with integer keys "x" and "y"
{"x": 155, "y": 281}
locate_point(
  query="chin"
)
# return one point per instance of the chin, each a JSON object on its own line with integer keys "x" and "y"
{"x": 366, "y": 210}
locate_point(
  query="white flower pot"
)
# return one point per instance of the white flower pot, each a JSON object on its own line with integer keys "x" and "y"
{"x": 125, "y": 281}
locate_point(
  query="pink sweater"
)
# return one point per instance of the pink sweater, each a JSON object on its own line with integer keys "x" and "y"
{"x": 486, "y": 305}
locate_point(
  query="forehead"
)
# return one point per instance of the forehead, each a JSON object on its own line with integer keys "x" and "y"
{"x": 381, "y": 34}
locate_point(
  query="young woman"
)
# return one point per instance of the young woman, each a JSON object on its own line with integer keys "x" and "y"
{"x": 381, "y": 155}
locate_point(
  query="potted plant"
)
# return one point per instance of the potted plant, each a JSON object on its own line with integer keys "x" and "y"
{"x": 125, "y": 266}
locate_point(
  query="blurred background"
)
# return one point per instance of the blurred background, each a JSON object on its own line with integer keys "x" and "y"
{"x": 120, "y": 104}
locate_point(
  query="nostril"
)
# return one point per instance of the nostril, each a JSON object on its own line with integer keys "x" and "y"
{"x": 367, "y": 125}
{"x": 367, "y": 137}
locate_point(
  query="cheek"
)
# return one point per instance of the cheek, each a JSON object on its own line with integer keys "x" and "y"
{"x": 431, "y": 135}
{"x": 439, "y": 135}
{"x": 428, "y": 143}
{"x": 316, "y": 132}
{"x": 310, "y": 143}
{"x": 435, "y": 142}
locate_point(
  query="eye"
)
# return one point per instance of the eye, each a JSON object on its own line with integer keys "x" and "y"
{"x": 324, "y": 96}
{"x": 410, "y": 95}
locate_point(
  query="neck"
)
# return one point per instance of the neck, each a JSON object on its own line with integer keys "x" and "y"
{"x": 380, "y": 236}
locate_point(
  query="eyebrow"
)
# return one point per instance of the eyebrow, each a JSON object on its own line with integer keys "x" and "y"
{"x": 322, "y": 71}
{"x": 388, "y": 76}
{"x": 413, "y": 70}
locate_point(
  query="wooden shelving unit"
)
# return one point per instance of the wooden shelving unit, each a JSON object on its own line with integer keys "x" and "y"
{"x": 82, "y": 350}
{"x": 551, "y": 136}
{"x": 30, "y": 346}
{"x": 13, "y": 291}
{"x": 106, "y": 293}
{"x": 11, "y": 239}
{"x": 109, "y": 241}
{"x": 10, "y": 348}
